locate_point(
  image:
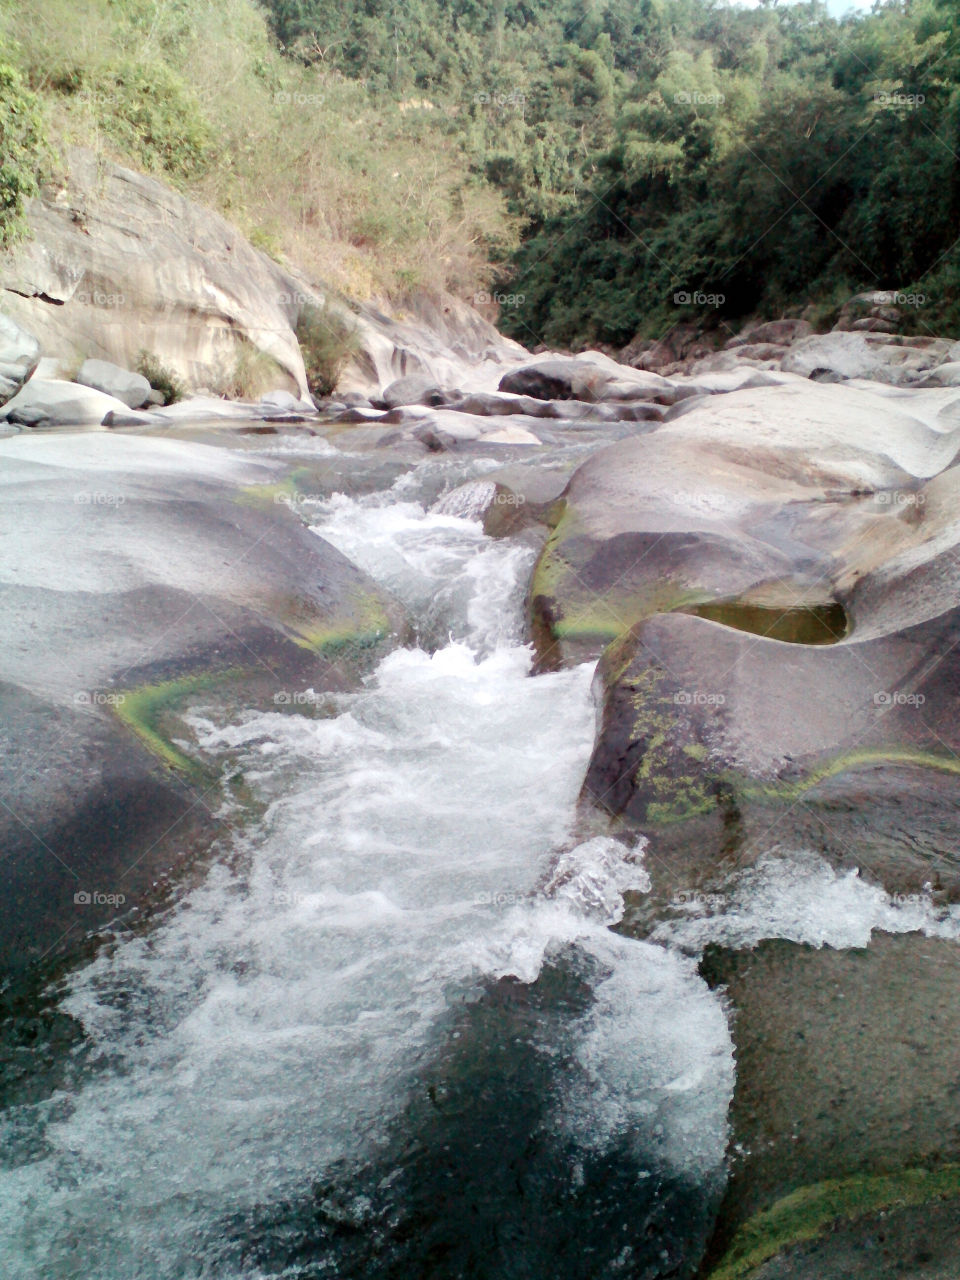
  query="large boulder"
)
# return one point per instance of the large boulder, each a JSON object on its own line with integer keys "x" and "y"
{"x": 116, "y": 262}
{"x": 54, "y": 403}
{"x": 846, "y": 1114}
{"x": 19, "y": 357}
{"x": 697, "y": 510}
{"x": 590, "y": 377}
{"x": 132, "y": 388}
{"x": 415, "y": 388}
{"x": 877, "y": 356}
{"x": 138, "y": 574}
{"x": 716, "y": 742}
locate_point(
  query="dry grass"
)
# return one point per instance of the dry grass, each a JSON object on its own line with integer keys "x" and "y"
{"x": 373, "y": 198}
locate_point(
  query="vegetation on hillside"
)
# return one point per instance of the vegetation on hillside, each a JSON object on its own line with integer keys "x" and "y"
{"x": 307, "y": 161}
{"x": 663, "y": 160}
{"x": 684, "y": 159}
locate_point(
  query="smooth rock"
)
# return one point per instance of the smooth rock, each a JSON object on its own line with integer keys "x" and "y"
{"x": 200, "y": 408}
{"x": 136, "y": 573}
{"x": 589, "y": 377}
{"x": 846, "y": 1074}
{"x": 132, "y": 388}
{"x": 284, "y": 402}
{"x": 19, "y": 357}
{"x": 53, "y": 403}
{"x": 415, "y": 389}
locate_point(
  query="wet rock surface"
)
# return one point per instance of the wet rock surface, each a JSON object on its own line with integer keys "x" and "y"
{"x": 846, "y": 1101}
{"x": 137, "y": 574}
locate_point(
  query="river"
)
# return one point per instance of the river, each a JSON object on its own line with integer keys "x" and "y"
{"x": 396, "y": 1033}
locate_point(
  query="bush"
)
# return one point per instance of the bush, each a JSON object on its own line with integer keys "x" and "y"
{"x": 327, "y": 341}
{"x": 160, "y": 377}
{"x": 155, "y": 117}
{"x": 253, "y": 372}
{"x": 21, "y": 150}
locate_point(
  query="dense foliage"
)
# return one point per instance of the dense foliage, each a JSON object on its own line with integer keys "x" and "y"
{"x": 664, "y": 160}
{"x": 679, "y": 159}
{"x": 21, "y": 149}
{"x": 310, "y": 163}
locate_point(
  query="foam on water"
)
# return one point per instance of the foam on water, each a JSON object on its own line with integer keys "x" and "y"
{"x": 653, "y": 1051}
{"x": 274, "y": 1022}
{"x": 457, "y": 582}
{"x": 799, "y": 896}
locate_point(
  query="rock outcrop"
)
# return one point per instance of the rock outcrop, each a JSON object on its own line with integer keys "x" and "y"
{"x": 137, "y": 574}
{"x": 846, "y": 1117}
{"x": 116, "y": 263}
{"x": 780, "y": 575}
{"x": 19, "y": 357}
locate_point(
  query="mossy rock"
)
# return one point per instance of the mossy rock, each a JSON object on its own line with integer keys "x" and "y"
{"x": 847, "y": 1101}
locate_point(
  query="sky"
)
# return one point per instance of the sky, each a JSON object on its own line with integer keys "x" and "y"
{"x": 836, "y": 7}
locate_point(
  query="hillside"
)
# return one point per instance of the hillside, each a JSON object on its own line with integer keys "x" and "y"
{"x": 594, "y": 171}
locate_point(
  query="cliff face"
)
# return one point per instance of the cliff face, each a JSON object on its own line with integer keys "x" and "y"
{"x": 116, "y": 263}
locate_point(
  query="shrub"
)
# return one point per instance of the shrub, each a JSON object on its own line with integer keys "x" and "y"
{"x": 160, "y": 377}
{"x": 327, "y": 341}
{"x": 21, "y": 150}
{"x": 253, "y": 372}
{"x": 155, "y": 117}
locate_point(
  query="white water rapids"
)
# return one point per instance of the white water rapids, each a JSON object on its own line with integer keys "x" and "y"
{"x": 273, "y": 1021}
{"x": 416, "y": 847}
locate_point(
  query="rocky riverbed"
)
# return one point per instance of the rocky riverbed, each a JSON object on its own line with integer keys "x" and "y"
{"x": 346, "y": 932}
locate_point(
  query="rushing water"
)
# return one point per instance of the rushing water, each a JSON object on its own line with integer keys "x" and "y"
{"x": 396, "y": 1035}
